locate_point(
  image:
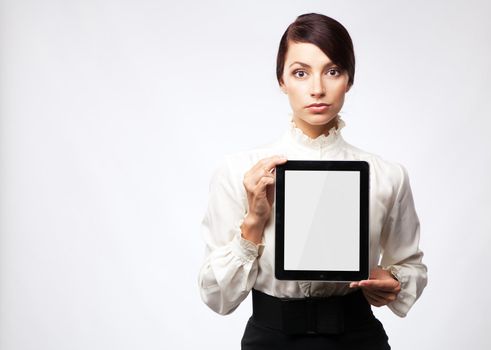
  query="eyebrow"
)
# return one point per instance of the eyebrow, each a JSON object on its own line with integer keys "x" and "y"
{"x": 308, "y": 66}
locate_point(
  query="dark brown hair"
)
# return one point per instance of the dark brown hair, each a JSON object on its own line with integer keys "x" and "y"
{"x": 327, "y": 34}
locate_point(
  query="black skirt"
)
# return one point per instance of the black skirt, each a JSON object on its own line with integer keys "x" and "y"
{"x": 347, "y": 323}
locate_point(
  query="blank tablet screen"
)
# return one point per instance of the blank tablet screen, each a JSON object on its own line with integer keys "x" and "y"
{"x": 322, "y": 220}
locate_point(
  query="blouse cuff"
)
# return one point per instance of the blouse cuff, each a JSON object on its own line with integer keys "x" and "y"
{"x": 404, "y": 299}
{"x": 245, "y": 249}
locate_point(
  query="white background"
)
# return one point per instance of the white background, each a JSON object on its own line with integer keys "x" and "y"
{"x": 113, "y": 115}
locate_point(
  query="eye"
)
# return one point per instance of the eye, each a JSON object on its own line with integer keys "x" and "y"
{"x": 299, "y": 73}
{"x": 333, "y": 72}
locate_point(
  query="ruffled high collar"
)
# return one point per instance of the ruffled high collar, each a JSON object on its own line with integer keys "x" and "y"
{"x": 322, "y": 141}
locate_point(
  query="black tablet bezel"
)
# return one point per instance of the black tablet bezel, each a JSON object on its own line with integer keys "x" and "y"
{"x": 327, "y": 165}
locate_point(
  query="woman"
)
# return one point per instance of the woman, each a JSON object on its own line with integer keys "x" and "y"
{"x": 315, "y": 69}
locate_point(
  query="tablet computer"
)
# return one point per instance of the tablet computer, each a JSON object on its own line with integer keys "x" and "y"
{"x": 322, "y": 216}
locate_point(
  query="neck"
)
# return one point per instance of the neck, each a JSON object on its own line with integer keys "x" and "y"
{"x": 314, "y": 131}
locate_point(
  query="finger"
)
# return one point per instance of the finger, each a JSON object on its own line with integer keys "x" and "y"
{"x": 264, "y": 172}
{"x": 388, "y": 285}
{"x": 252, "y": 179}
{"x": 373, "y": 300}
{"x": 263, "y": 168}
{"x": 271, "y": 162}
{"x": 260, "y": 189}
{"x": 383, "y": 298}
{"x": 387, "y": 296}
{"x": 353, "y": 285}
{"x": 262, "y": 163}
{"x": 270, "y": 192}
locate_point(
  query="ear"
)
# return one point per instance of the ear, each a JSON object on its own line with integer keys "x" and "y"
{"x": 283, "y": 88}
{"x": 348, "y": 87}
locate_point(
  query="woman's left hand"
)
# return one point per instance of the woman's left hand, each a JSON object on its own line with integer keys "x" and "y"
{"x": 380, "y": 289}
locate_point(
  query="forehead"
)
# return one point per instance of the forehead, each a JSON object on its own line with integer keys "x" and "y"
{"x": 305, "y": 53}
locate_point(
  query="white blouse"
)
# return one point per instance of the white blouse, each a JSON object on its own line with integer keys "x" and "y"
{"x": 233, "y": 265}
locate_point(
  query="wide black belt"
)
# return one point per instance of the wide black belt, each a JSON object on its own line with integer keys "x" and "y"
{"x": 313, "y": 315}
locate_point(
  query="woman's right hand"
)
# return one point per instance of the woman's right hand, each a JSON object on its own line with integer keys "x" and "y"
{"x": 259, "y": 184}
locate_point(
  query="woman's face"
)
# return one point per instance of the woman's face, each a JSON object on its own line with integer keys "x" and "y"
{"x": 315, "y": 87}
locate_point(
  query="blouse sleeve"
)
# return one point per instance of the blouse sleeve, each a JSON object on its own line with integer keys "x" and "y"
{"x": 230, "y": 267}
{"x": 400, "y": 248}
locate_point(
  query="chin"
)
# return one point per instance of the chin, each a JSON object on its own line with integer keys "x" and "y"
{"x": 319, "y": 119}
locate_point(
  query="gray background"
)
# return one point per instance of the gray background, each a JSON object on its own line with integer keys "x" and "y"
{"x": 113, "y": 115}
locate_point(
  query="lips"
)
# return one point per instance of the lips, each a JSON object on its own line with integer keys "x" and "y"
{"x": 318, "y": 105}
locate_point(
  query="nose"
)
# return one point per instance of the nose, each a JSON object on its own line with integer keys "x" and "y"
{"x": 318, "y": 88}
